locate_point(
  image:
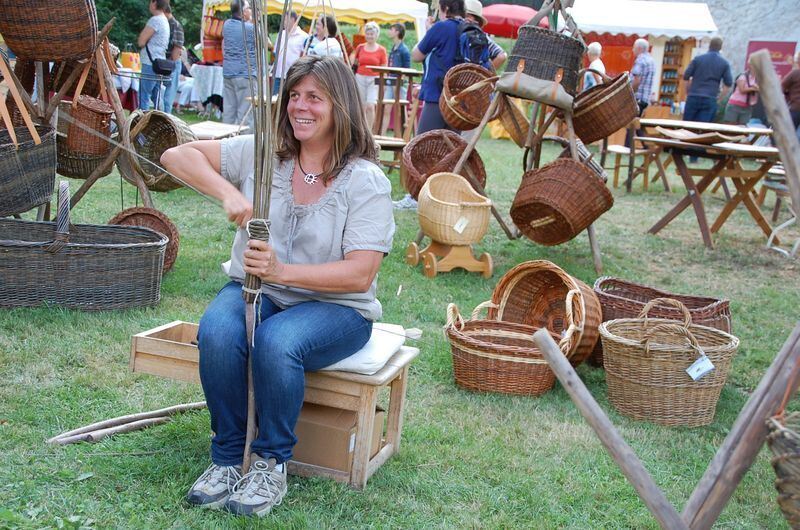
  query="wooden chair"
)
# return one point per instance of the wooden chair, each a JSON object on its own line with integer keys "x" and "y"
{"x": 652, "y": 155}
{"x": 775, "y": 181}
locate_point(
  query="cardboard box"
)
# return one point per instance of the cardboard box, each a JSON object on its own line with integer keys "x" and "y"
{"x": 326, "y": 436}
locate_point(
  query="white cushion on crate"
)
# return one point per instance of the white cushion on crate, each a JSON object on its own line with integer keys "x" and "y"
{"x": 384, "y": 342}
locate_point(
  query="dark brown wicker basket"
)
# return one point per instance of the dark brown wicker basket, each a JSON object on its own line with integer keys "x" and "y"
{"x": 604, "y": 109}
{"x": 545, "y": 52}
{"x": 558, "y": 201}
{"x": 154, "y": 220}
{"x": 784, "y": 443}
{"x": 585, "y": 156}
{"x": 89, "y": 267}
{"x": 496, "y": 356}
{"x": 466, "y": 96}
{"x": 47, "y": 31}
{"x": 161, "y": 132}
{"x": 61, "y": 72}
{"x": 94, "y": 114}
{"x": 27, "y": 171}
{"x": 429, "y": 153}
{"x": 537, "y": 293}
{"x": 77, "y": 165}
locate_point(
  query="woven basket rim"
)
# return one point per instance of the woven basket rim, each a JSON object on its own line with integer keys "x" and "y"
{"x": 731, "y": 340}
{"x": 459, "y": 338}
{"x": 599, "y": 94}
{"x": 45, "y": 133}
{"x": 603, "y": 280}
{"x": 482, "y": 202}
{"x": 158, "y": 238}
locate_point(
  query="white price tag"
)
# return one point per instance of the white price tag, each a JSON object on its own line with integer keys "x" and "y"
{"x": 461, "y": 225}
{"x": 700, "y": 367}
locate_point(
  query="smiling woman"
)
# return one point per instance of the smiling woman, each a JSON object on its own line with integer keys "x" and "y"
{"x": 330, "y": 226}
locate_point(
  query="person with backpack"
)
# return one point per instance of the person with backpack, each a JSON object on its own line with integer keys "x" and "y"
{"x": 495, "y": 55}
{"x": 744, "y": 97}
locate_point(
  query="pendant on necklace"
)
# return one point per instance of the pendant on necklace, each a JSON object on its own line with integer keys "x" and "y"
{"x": 310, "y": 179}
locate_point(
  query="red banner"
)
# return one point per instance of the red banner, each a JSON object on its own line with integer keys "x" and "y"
{"x": 782, "y": 53}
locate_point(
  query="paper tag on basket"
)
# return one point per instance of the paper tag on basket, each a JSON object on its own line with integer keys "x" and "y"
{"x": 700, "y": 367}
{"x": 461, "y": 225}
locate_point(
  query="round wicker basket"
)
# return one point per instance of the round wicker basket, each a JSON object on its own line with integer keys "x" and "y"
{"x": 466, "y": 95}
{"x": 604, "y": 109}
{"x": 94, "y": 114}
{"x": 451, "y": 212}
{"x": 154, "y": 220}
{"x": 784, "y": 443}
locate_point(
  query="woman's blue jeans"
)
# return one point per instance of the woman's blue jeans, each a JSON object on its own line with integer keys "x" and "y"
{"x": 288, "y": 342}
{"x": 149, "y": 88}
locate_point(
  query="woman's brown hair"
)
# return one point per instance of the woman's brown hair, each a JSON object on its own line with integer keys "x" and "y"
{"x": 352, "y": 137}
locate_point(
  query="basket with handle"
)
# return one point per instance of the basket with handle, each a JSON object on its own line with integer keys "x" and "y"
{"x": 496, "y": 356}
{"x": 558, "y": 201}
{"x": 604, "y": 109}
{"x": 451, "y": 212}
{"x": 95, "y": 114}
{"x": 436, "y": 151}
{"x": 584, "y": 155}
{"x": 646, "y": 361}
{"x": 466, "y": 95}
{"x": 539, "y": 293}
{"x": 89, "y": 267}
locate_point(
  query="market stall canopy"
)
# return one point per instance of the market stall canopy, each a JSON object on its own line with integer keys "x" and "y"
{"x": 638, "y": 17}
{"x": 351, "y": 11}
{"x": 504, "y": 20}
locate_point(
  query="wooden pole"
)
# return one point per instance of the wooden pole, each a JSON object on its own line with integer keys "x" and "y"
{"x": 616, "y": 446}
{"x": 96, "y": 436}
{"x": 745, "y": 438}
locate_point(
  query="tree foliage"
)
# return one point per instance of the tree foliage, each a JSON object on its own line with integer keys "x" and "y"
{"x": 132, "y": 15}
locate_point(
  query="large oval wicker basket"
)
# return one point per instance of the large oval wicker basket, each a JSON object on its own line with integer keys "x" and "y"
{"x": 541, "y": 294}
{"x": 558, "y": 201}
{"x": 27, "y": 170}
{"x": 466, "y": 95}
{"x": 546, "y": 52}
{"x": 604, "y": 109}
{"x": 784, "y": 443}
{"x": 160, "y": 132}
{"x": 496, "y": 356}
{"x": 436, "y": 151}
{"x": 646, "y": 361}
{"x": 451, "y": 212}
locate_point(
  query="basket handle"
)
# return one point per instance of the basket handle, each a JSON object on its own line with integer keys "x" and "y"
{"x": 12, "y": 87}
{"x": 573, "y": 327}
{"x": 687, "y": 317}
{"x": 454, "y": 318}
{"x": 62, "y": 219}
{"x": 488, "y": 304}
{"x": 604, "y": 77}
{"x": 671, "y": 328}
{"x": 475, "y": 86}
{"x": 81, "y": 82}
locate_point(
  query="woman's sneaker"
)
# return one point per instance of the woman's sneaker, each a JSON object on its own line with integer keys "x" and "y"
{"x": 214, "y": 486}
{"x": 263, "y": 487}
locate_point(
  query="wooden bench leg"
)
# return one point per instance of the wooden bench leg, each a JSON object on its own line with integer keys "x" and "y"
{"x": 617, "y": 158}
{"x": 762, "y": 194}
{"x": 394, "y": 419}
{"x": 777, "y": 210}
{"x": 364, "y": 426}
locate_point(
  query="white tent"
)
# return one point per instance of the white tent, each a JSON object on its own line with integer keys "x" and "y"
{"x": 351, "y": 11}
{"x": 639, "y": 17}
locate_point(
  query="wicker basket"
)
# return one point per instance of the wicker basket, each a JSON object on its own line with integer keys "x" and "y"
{"x": 61, "y": 72}
{"x": 495, "y": 356}
{"x": 584, "y": 155}
{"x": 160, "y": 132}
{"x": 784, "y": 442}
{"x": 94, "y": 114}
{"x": 88, "y": 267}
{"x": 604, "y": 109}
{"x": 466, "y": 95}
{"x": 558, "y": 201}
{"x": 541, "y": 294}
{"x": 27, "y": 171}
{"x": 45, "y": 31}
{"x": 625, "y": 299}
{"x": 77, "y": 165}
{"x": 430, "y": 153}
{"x": 646, "y": 361}
{"x": 451, "y": 212}
{"x": 514, "y": 121}
{"x": 544, "y": 53}
{"x": 156, "y": 221}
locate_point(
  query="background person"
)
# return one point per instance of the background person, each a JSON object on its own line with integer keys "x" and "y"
{"x": 791, "y": 89}
{"x": 642, "y": 74}
{"x": 369, "y": 54}
{"x": 703, "y": 77}
{"x": 174, "y": 52}
{"x": 399, "y": 57}
{"x": 329, "y": 234}
{"x": 153, "y": 40}
{"x": 324, "y": 42}
{"x": 474, "y": 13}
{"x": 293, "y": 49}
{"x": 238, "y": 50}
{"x": 593, "y": 52}
{"x": 745, "y": 95}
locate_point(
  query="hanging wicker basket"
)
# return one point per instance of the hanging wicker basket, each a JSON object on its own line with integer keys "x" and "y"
{"x": 646, "y": 361}
{"x": 430, "y": 153}
{"x": 541, "y": 294}
{"x": 94, "y": 114}
{"x": 466, "y": 96}
{"x": 451, "y": 212}
{"x": 47, "y": 31}
{"x": 558, "y": 201}
{"x": 545, "y": 53}
{"x": 584, "y": 155}
{"x": 27, "y": 170}
{"x": 77, "y": 165}
{"x": 604, "y": 109}
{"x": 783, "y": 441}
{"x": 513, "y": 119}
{"x": 496, "y": 356}
{"x": 156, "y": 221}
{"x": 61, "y": 72}
{"x": 160, "y": 132}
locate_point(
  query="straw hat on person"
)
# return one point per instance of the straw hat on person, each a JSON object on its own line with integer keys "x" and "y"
{"x": 474, "y": 8}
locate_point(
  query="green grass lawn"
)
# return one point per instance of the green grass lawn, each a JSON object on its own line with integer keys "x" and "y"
{"x": 467, "y": 460}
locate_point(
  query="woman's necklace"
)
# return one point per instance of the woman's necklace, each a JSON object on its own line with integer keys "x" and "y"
{"x": 308, "y": 178}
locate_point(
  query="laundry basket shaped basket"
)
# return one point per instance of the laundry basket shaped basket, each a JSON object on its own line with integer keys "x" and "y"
{"x": 496, "y": 356}
{"x": 544, "y": 53}
{"x": 49, "y": 31}
{"x": 604, "y": 109}
{"x": 451, "y": 212}
{"x": 558, "y": 201}
{"x": 430, "y": 153}
{"x": 27, "y": 170}
{"x": 541, "y": 294}
{"x": 160, "y": 132}
{"x": 466, "y": 95}
{"x": 646, "y": 361}
{"x": 784, "y": 442}
{"x": 86, "y": 267}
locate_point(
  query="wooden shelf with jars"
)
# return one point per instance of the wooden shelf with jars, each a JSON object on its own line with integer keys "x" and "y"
{"x": 677, "y": 55}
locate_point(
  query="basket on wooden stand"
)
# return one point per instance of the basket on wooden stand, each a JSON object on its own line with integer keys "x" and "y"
{"x": 604, "y": 109}
{"x": 466, "y": 94}
{"x": 92, "y": 114}
{"x": 545, "y": 54}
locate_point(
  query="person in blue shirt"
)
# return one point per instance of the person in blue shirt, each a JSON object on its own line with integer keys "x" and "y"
{"x": 399, "y": 57}
{"x": 238, "y": 64}
{"x": 703, "y": 77}
{"x": 438, "y": 51}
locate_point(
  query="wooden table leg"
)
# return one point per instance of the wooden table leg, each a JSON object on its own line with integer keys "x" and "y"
{"x": 744, "y": 188}
{"x": 692, "y": 197}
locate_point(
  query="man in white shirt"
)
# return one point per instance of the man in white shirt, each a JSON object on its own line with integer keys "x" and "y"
{"x": 293, "y": 49}
{"x": 591, "y": 79}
